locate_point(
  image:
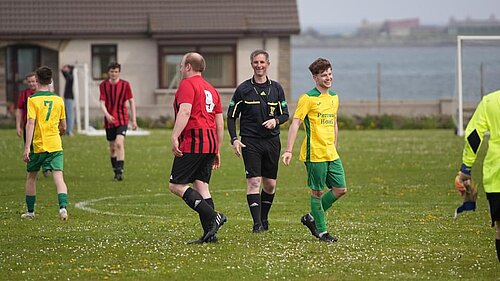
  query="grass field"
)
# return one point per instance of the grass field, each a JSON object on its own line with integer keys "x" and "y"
{"x": 394, "y": 224}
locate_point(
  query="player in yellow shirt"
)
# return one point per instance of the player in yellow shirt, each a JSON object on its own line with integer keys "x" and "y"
{"x": 46, "y": 123}
{"x": 318, "y": 109}
{"x": 486, "y": 118}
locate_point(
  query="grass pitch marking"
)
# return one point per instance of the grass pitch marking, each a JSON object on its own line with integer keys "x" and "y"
{"x": 87, "y": 205}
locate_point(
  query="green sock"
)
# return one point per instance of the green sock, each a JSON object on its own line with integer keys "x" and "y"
{"x": 63, "y": 200}
{"x": 328, "y": 199}
{"x": 30, "y": 202}
{"x": 318, "y": 213}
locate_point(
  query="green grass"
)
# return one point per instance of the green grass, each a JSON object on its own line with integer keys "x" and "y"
{"x": 394, "y": 223}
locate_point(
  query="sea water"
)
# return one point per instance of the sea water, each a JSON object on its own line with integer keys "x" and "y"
{"x": 407, "y": 73}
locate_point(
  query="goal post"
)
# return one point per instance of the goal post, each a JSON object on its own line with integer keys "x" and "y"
{"x": 459, "y": 73}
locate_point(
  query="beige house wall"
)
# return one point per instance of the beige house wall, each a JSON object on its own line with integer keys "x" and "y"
{"x": 139, "y": 66}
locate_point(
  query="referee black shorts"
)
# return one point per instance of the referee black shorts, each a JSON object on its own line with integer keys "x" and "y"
{"x": 494, "y": 202}
{"x": 261, "y": 156}
{"x": 191, "y": 167}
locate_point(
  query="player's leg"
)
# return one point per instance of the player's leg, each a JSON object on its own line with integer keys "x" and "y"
{"x": 62, "y": 193}
{"x": 270, "y": 163}
{"x": 110, "y": 137}
{"x": 32, "y": 168}
{"x": 55, "y": 163}
{"x": 121, "y": 131}
{"x": 494, "y": 203}
{"x": 316, "y": 179}
{"x": 254, "y": 202}
{"x": 30, "y": 195}
{"x": 335, "y": 180}
{"x": 267, "y": 198}
{"x": 202, "y": 187}
{"x": 252, "y": 158}
{"x": 184, "y": 171}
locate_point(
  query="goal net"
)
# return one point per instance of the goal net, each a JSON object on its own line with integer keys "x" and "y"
{"x": 477, "y": 74}
{"x": 88, "y": 113}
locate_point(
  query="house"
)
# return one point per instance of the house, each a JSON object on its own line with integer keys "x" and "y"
{"x": 148, "y": 38}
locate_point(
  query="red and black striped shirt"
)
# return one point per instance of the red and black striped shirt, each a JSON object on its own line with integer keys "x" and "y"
{"x": 22, "y": 103}
{"x": 200, "y": 133}
{"x": 115, "y": 97}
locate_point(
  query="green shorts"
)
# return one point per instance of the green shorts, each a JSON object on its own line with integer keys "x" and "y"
{"x": 329, "y": 174}
{"x": 48, "y": 161}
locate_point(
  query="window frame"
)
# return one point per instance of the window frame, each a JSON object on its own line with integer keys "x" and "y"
{"x": 101, "y": 54}
{"x": 196, "y": 48}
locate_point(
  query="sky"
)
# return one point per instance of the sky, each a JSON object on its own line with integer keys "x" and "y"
{"x": 335, "y": 15}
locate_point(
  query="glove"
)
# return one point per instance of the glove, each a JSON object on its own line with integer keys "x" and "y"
{"x": 462, "y": 180}
{"x": 467, "y": 189}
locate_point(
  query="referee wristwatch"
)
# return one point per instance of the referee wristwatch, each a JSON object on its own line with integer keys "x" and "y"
{"x": 233, "y": 140}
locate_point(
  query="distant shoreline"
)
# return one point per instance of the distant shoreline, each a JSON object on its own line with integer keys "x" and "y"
{"x": 305, "y": 41}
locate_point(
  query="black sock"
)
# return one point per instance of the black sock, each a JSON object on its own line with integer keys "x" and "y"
{"x": 267, "y": 202}
{"x": 497, "y": 242}
{"x": 210, "y": 202}
{"x": 113, "y": 163}
{"x": 254, "y": 205}
{"x": 194, "y": 200}
{"x": 119, "y": 166}
{"x": 206, "y": 224}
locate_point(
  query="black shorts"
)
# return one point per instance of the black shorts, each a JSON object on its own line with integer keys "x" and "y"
{"x": 261, "y": 156}
{"x": 191, "y": 167}
{"x": 494, "y": 201}
{"x": 111, "y": 133}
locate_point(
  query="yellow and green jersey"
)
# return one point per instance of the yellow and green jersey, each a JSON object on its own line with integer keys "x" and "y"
{"x": 486, "y": 118}
{"x": 47, "y": 109}
{"x": 318, "y": 112}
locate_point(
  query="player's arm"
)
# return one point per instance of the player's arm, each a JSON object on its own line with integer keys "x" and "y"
{"x": 474, "y": 134}
{"x": 19, "y": 119}
{"x": 219, "y": 125}
{"x": 62, "y": 127}
{"x": 19, "y": 114}
{"x": 181, "y": 121}
{"x": 131, "y": 104}
{"x": 233, "y": 113}
{"x": 30, "y": 128}
{"x": 104, "y": 110}
{"x": 292, "y": 135}
{"x": 283, "y": 106}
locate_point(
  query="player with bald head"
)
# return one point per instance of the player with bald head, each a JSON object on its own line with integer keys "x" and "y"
{"x": 195, "y": 142}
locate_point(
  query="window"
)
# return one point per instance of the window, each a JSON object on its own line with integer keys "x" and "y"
{"x": 102, "y": 55}
{"x": 220, "y": 60}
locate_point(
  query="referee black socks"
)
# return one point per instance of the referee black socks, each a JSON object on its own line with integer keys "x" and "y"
{"x": 266, "y": 201}
{"x": 254, "y": 205}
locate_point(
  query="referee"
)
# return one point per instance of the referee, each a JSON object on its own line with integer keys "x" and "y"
{"x": 260, "y": 104}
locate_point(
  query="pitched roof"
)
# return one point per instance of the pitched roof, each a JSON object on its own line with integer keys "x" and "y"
{"x": 32, "y": 19}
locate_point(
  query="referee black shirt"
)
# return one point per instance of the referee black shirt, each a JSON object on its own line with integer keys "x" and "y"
{"x": 254, "y": 104}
